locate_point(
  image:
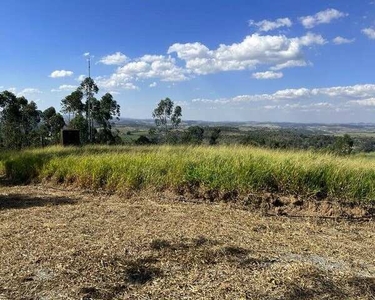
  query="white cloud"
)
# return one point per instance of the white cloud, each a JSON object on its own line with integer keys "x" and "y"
{"x": 130, "y": 86}
{"x": 274, "y": 51}
{"x": 302, "y": 107}
{"x": 65, "y": 88}
{"x": 114, "y": 93}
{"x": 145, "y": 67}
{"x": 267, "y": 25}
{"x": 114, "y": 59}
{"x": 369, "y": 32}
{"x": 352, "y": 93}
{"x": 267, "y": 75}
{"x": 81, "y": 78}
{"x": 25, "y": 92}
{"x": 154, "y": 84}
{"x": 61, "y": 73}
{"x": 310, "y": 39}
{"x": 364, "y": 102}
{"x": 322, "y": 17}
{"x": 86, "y": 54}
{"x": 290, "y": 64}
{"x": 254, "y": 50}
{"x": 341, "y": 40}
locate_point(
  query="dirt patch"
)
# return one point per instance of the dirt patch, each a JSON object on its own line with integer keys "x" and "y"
{"x": 150, "y": 246}
{"x": 275, "y": 204}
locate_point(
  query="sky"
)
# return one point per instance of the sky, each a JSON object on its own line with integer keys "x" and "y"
{"x": 237, "y": 60}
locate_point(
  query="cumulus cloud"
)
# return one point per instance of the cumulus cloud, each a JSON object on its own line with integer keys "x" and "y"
{"x": 322, "y": 17}
{"x": 65, "y": 88}
{"x": 61, "y": 73}
{"x": 268, "y": 75}
{"x": 349, "y": 93}
{"x": 364, "y": 102}
{"x": 341, "y": 40}
{"x": 81, "y": 78}
{"x": 154, "y": 84}
{"x": 86, "y": 54}
{"x": 145, "y": 67}
{"x": 186, "y": 61}
{"x": 254, "y": 50}
{"x": 316, "y": 107}
{"x": 28, "y": 92}
{"x": 114, "y": 59}
{"x": 369, "y": 32}
{"x": 291, "y": 64}
{"x": 267, "y": 25}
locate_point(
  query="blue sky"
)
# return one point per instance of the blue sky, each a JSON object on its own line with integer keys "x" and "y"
{"x": 295, "y": 61}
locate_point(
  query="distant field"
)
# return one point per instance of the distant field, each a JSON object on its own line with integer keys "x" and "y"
{"x": 236, "y": 169}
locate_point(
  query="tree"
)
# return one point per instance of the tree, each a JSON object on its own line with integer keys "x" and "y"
{"x": 344, "y": 145}
{"x": 72, "y": 104}
{"x": 176, "y": 116}
{"x": 93, "y": 112}
{"x": 215, "y": 134}
{"x": 53, "y": 122}
{"x": 79, "y": 122}
{"x": 194, "y": 135}
{"x": 89, "y": 88}
{"x": 104, "y": 111}
{"x": 18, "y": 120}
{"x": 165, "y": 115}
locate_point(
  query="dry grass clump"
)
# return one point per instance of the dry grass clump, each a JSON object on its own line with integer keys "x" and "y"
{"x": 224, "y": 169}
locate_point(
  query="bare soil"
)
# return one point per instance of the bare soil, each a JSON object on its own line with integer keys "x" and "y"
{"x": 57, "y": 243}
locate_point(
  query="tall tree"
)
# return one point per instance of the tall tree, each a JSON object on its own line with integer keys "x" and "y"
{"x": 103, "y": 112}
{"x": 166, "y": 115}
{"x": 72, "y": 104}
{"x": 89, "y": 88}
{"x": 92, "y": 112}
{"x": 18, "y": 120}
{"x": 53, "y": 122}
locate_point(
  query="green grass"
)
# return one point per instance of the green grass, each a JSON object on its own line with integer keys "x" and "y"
{"x": 238, "y": 168}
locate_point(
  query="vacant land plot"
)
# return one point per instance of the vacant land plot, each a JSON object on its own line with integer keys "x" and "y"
{"x": 60, "y": 244}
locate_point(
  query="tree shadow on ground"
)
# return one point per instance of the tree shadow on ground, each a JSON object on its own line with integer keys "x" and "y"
{"x": 202, "y": 250}
{"x": 21, "y": 201}
{"x": 323, "y": 287}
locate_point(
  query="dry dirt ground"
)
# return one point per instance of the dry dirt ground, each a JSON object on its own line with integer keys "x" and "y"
{"x": 70, "y": 244}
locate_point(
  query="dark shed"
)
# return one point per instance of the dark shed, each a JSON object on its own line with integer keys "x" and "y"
{"x": 70, "y": 137}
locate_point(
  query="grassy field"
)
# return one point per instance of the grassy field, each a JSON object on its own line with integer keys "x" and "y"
{"x": 236, "y": 169}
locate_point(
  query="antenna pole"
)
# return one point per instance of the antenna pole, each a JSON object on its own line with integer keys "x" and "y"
{"x": 89, "y": 61}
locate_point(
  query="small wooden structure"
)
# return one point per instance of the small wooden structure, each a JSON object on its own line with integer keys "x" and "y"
{"x": 70, "y": 137}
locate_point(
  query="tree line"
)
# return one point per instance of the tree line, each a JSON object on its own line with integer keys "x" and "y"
{"x": 23, "y": 125}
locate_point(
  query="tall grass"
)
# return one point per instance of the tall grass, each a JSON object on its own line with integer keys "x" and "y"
{"x": 228, "y": 168}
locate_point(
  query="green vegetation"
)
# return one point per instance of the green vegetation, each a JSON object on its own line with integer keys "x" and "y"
{"x": 235, "y": 168}
{"x": 22, "y": 125}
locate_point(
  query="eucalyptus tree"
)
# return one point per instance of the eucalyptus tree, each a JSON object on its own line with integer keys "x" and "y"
{"x": 89, "y": 88}
{"x": 91, "y": 113}
{"x": 72, "y": 104}
{"x": 166, "y": 115}
{"x": 53, "y": 123}
{"x": 18, "y": 119}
